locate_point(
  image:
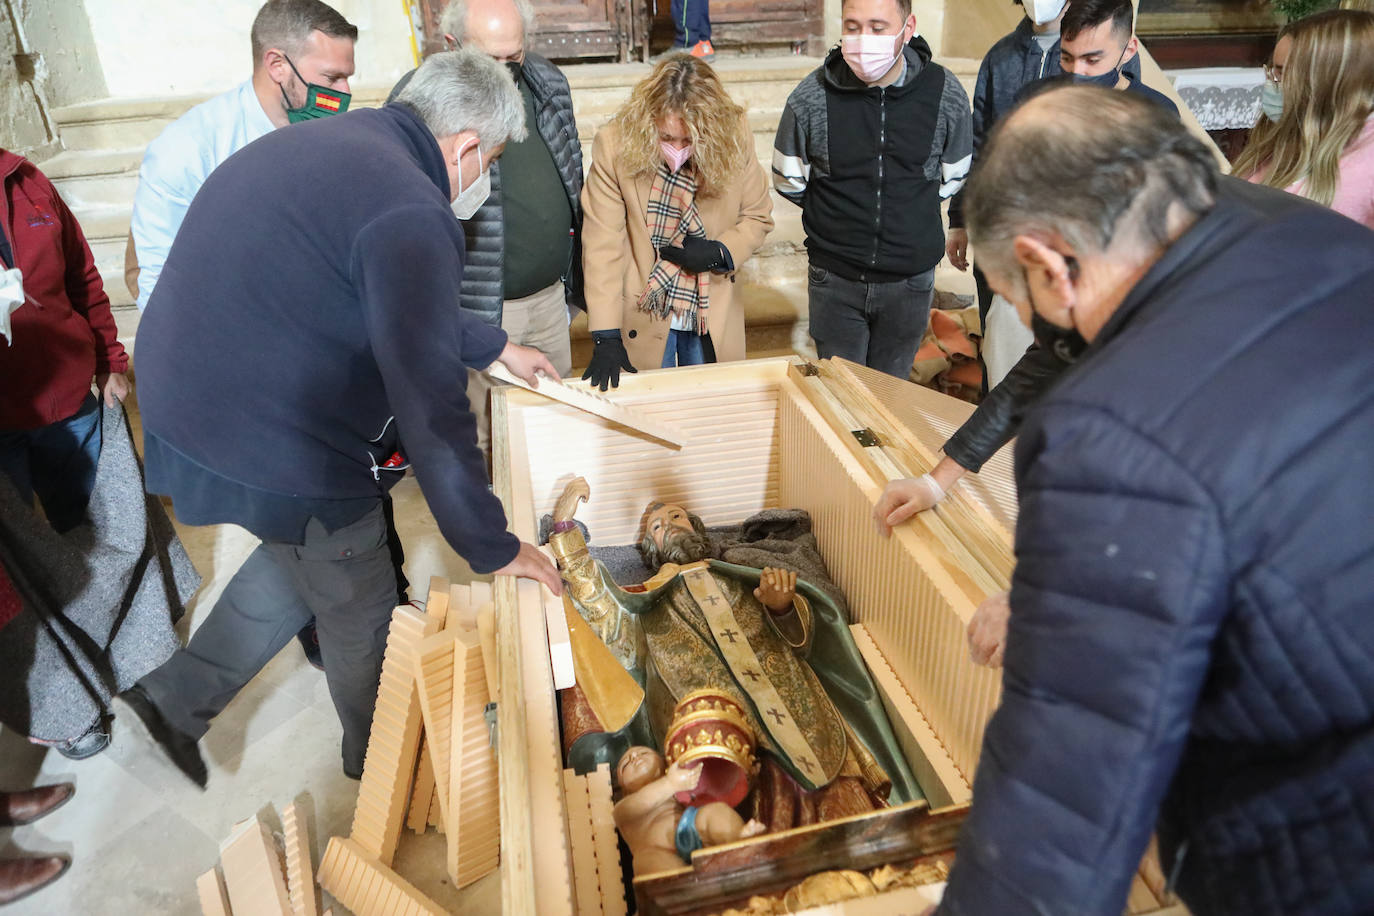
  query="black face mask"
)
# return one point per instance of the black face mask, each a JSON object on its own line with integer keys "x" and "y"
{"x": 516, "y": 69}
{"x": 1065, "y": 343}
{"x": 1106, "y": 80}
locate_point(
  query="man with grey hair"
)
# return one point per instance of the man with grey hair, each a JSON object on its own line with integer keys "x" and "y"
{"x": 1189, "y": 641}
{"x": 525, "y": 265}
{"x": 302, "y": 337}
{"x": 500, "y": 29}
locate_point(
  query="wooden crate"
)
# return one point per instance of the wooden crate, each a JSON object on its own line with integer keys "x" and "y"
{"x": 762, "y": 436}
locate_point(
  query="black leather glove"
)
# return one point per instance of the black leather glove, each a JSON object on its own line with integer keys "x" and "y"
{"x": 696, "y": 256}
{"x": 608, "y": 359}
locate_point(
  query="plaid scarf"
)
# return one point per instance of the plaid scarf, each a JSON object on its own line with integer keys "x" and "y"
{"x": 673, "y": 216}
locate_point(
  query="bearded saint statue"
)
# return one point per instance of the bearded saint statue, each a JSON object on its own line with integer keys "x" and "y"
{"x": 777, "y": 646}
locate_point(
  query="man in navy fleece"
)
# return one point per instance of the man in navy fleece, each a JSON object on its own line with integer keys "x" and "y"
{"x": 301, "y": 334}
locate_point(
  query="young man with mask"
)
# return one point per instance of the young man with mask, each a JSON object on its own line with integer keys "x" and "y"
{"x": 1189, "y": 637}
{"x": 294, "y": 339}
{"x": 1099, "y": 41}
{"x": 524, "y": 250}
{"x": 868, "y": 146}
{"x": 1097, "y": 38}
{"x": 1030, "y": 52}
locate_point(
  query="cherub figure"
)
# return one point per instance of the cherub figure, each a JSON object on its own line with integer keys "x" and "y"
{"x": 662, "y": 833}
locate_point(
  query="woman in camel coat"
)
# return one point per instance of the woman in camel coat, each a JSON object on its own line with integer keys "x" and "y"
{"x": 675, "y": 201}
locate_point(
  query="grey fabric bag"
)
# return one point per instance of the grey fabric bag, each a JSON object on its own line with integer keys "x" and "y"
{"x": 99, "y": 602}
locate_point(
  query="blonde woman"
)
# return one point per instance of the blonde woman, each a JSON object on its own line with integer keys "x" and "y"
{"x": 1316, "y": 138}
{"x": 675, "y": 201}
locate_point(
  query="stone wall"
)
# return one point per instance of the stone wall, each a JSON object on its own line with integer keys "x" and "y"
{"x": 973, "y": 26}
{"x": 59, "y": 32}
{"x": 24, "y": 124}
{"x": 121, "y": 49}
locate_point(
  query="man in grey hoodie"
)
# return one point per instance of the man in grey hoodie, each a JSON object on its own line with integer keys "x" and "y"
{"x": 869, "y": 145}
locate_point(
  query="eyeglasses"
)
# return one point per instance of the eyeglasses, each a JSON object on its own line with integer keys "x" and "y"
{"x": 1273, "y": 73}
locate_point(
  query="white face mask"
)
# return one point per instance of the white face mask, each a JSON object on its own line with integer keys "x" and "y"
{"x": 1043, "y": 11}
{"x": 471, "y": 198}
{"x": 11, "y": 297}
{"x": 870, "y": 56}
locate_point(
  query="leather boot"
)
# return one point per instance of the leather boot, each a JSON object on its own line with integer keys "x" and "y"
{"x": 18, "y": 808}
{"x": 21, "y": 877}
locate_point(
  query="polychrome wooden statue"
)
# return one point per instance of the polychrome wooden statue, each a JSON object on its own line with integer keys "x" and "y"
{"x": 775, "y": 646}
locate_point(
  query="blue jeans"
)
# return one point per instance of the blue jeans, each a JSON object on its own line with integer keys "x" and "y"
{"x": 684, "y": 349}
{"x": 57, "y": 462}
{"x": 879, "y": 325}
{"x": 691, "y": 22}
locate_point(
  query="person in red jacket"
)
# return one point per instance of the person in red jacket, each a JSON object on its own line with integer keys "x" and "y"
{"x": 61, "y": 337}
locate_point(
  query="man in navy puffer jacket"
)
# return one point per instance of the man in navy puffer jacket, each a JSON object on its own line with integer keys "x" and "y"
{"x": 1191, "y": 637}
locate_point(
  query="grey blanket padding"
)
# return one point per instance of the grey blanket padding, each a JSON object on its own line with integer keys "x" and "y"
{"x": 780, "y": 538}
{"x": 99, "y": 602}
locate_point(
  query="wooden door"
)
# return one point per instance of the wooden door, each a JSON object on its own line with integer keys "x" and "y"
{"x": 792, "y": 24}
{"x": 568, "y": 29}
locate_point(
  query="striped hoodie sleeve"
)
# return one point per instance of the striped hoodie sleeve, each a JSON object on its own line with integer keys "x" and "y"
{"x": 791, "y": 164}
{"x": 956, "y": 158}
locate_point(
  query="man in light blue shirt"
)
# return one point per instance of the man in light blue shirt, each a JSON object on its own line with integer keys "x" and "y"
{"x": 302, "y": 59}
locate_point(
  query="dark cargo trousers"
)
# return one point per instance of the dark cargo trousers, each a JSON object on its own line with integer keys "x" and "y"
{"x": 344, "y": 579}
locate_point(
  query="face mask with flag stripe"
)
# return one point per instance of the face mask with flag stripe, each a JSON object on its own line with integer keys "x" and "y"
{"x": 320, "y": 101}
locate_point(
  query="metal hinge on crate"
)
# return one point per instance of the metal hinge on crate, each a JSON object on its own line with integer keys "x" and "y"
{"x": 867, "y": 437}
{"x": 489, "y": 714}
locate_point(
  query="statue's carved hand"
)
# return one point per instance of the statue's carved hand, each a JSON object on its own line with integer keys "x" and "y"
{"x": 752, "y": 828}
{"x": 777, "y": 588}
{"x": 683, "y": 779}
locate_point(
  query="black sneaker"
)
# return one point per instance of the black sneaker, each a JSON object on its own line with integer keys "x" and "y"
{"x": 309, "y": 639}
{"x": 95, "y": 740}
{"x": 180, "y": 748}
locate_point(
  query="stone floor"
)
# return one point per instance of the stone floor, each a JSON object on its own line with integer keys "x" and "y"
{"x": 139, "y": 833}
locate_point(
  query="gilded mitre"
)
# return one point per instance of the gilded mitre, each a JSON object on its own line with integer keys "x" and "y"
{"x": 709, "y": 729}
